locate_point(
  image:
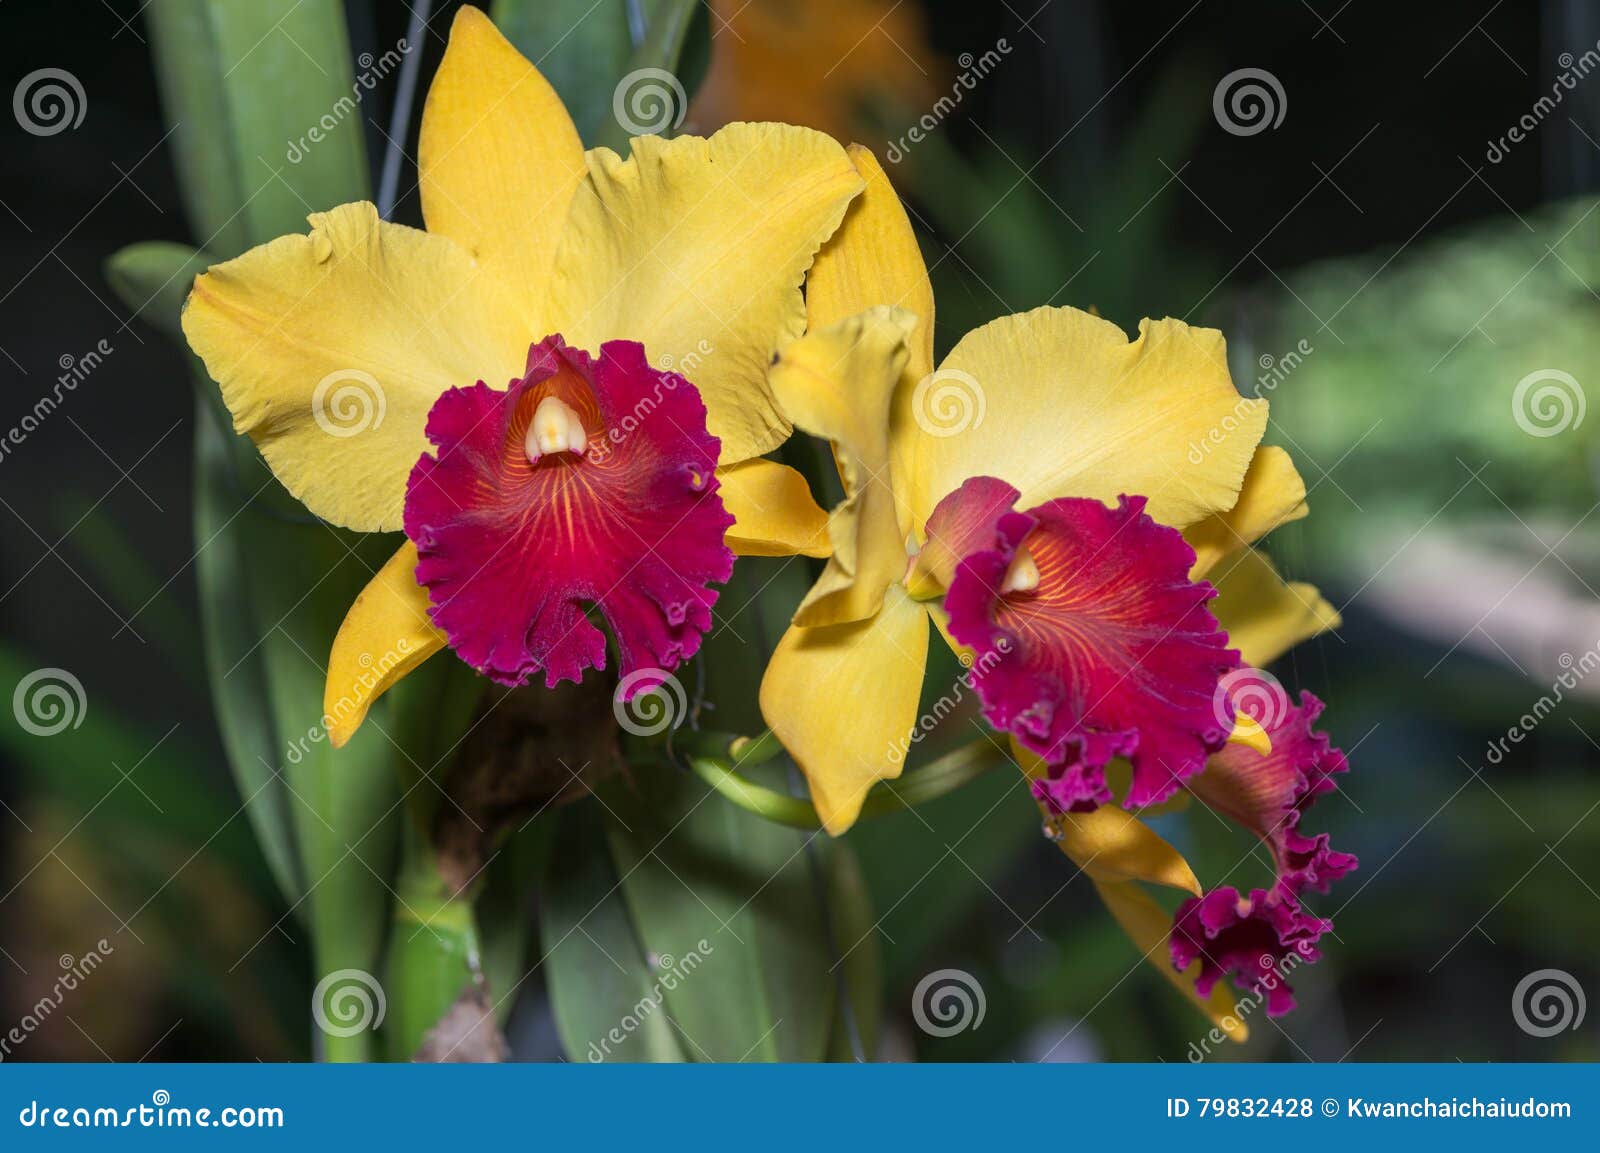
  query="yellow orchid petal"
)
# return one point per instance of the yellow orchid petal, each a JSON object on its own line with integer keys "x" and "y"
{"x": 498, "y": 159}
{"x": 1061, "y": 403}
{"x": 1273, "y": 494}
{"x": 1111, "y": 844}
{"x": 697, "y": 248}
{"x": 874, "y": 259}
{"x": 384, "y": 636}
{"x": 843, "y": 700}
{"x": 837, "y": 383}
{"x": 774, "y": 514}
{"x": 330, "y": 349}
{"x": 1149, "y": 927}
{"x": 1263, "y": 615}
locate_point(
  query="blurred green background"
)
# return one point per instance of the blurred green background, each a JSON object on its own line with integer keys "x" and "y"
{"x": 1417, "y": 280}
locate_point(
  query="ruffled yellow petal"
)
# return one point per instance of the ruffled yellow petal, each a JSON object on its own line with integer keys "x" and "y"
{"x": 384, "y": 636}
{"x": 837, "y": 383}
{"x": 1061, "y": 403}
{"x": 774, "y": 514}
{"x": 1273, "y": 494}
{"x": 843, "y": 700}
{"x": 697, "y": 248}
{"x": 1263, "y": 615}
{"x": 330, "y": 348}
{"x": 874, "y": 259}
{"x": 1149, "y": 927}
{"x": 498, "y": 159}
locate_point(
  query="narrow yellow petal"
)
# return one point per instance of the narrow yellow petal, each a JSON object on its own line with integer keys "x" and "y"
{"x": 1149, "y": 927}
{"x": 330, "y": 349}
{"x": 1111, "y": 844}
{"x": 498, "y": 160}
{"x": 384, "y": 636}
{"x": 874, "y": 259}
{"x": 1061, "y": 403}
{"x": 774, "y": 514}
{"x": 1263, "y": 615}
{"x": 697, "y": 248}
{"x": 1273, "y": 494}
{"x": 838, "y": 383}
{"x": 843, "y": 700}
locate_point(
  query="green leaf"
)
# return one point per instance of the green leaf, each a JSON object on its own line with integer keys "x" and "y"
{"x": 153, "y": 278}
{"x": 231, "y": 636}
{"x": 585, "y": 49}
{"x": 605, "y": 995}
{"x": 860, "y": 952}
{"x": 580, "y": 46}
{"x": 702, "y": 875}
{"x": 245, "y": 87}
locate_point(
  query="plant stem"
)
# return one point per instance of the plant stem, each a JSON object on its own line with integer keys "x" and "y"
{"x": 944, "y": 775}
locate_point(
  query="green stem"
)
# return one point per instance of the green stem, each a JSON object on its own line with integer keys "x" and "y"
{"x": 942, "y": 776}
{"x": 433, "y": 951}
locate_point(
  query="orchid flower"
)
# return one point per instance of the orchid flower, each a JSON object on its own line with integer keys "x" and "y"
{"x": 1054, "y": 498}
{"x": 500, "y": 386}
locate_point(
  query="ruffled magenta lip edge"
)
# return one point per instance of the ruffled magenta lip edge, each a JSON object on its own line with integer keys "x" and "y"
{"x": 1078, "y": 759}
{"x": 546, "y": 358}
